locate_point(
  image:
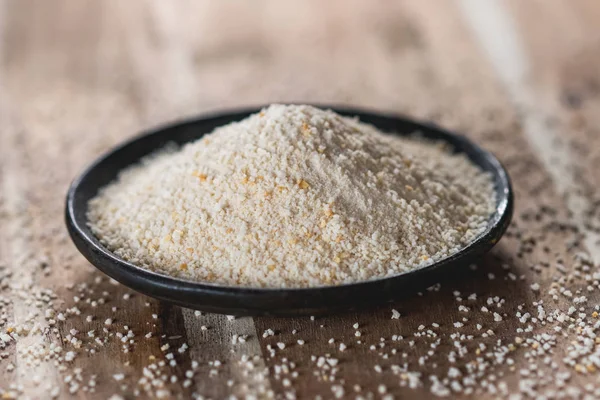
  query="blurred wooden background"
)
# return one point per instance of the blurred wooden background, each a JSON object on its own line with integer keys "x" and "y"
{"x": 77, "y": 77}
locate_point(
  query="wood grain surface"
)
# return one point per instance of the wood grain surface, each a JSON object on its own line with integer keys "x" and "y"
{"x": 522, "y": 78}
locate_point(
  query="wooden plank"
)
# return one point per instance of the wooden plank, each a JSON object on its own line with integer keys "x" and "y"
{"x": 59, "y": 64}
{"x": 508, "y": 40}
{"x": 479, "y": 106}
{"x": 229, "y": 356}
{"x": 220, "y": 370}
{"x": 512, "y": 62}
{"x": 565, "y": 52}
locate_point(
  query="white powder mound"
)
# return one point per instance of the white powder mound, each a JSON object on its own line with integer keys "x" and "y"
{"x": 294, "y": 196}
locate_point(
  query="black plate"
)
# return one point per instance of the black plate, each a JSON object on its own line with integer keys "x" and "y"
{"x": 260, "y": 301}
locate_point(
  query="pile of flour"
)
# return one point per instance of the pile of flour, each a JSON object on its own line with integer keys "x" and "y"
{"x": 294, "y": 196}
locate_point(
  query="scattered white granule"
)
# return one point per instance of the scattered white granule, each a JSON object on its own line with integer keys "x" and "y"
{"x": 268, "y": 332}
{"x": 119, "y": 377}
{"x": 294, "y": 196}
{"x": 338, "y": 391}
{"x": 395, "y": 314}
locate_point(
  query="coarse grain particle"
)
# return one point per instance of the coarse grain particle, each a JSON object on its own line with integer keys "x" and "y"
{"x": 268, "y": 332}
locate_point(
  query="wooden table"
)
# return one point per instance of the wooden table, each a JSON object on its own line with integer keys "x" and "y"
{"x": 522, "y": 78}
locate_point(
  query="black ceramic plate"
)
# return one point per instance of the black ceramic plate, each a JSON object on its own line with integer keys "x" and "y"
{"x": 260, "y": 301}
